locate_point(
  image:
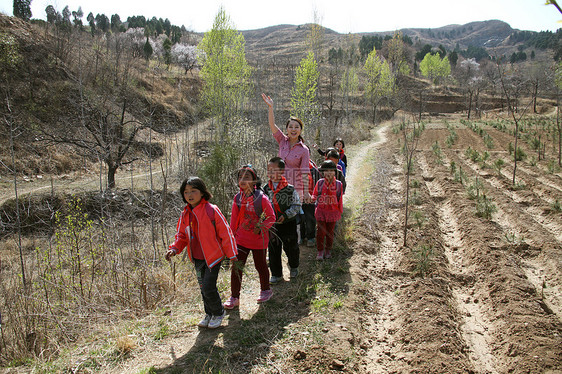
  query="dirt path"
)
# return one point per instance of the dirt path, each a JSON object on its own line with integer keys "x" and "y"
{"x": 465, "y": 295}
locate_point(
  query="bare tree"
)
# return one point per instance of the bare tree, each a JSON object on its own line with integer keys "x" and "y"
{"x": 104, "y": 132}
{"x": 411, "y": 137}
{"x": 512, "y": 90}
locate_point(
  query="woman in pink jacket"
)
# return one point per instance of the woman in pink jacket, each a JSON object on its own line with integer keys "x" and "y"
{"x": 252, "y": 217}
{"x": 204, "y": 231}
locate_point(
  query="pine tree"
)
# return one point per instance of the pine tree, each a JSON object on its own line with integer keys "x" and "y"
{"x": 22, "y": 9}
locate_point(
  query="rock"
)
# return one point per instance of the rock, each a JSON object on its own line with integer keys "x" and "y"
{"x": 299, "y": 355}
{"x": 337, "y": 365}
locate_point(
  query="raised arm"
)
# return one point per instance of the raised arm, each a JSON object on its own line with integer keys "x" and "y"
{"x": 269, "y": 101}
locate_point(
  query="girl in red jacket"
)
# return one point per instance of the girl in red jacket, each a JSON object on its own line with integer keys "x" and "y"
{"x": 328, "y": 196}
{"x": 252, "y": 217}
{"x": 204, "y": 231}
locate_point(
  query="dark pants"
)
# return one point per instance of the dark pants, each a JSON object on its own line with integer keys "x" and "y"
{"x": 308, "y": 222}
{"x": 283, "y": 237}
{"x": 207, "y": 278}
{"x": 260, "y": 263}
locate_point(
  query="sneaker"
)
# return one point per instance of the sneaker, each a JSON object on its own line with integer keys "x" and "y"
{"x": 265, "y": 295}
{"x": 232, "y": 303}
{"x": 294, "y": 272}
{"x": 310, "y": 243}
{"x": 216, "y": 321}
{"x": 205, "y": 321}
{"x": 274, "y": 279}
{"x": 299, "y": 242}
{"x": 320, "y": 255}
{"x": 327, "y": 254}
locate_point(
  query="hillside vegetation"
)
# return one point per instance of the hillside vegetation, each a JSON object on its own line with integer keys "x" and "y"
{"x": 100, "y": 126}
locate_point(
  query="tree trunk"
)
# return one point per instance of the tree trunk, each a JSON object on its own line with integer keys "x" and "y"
{"x": 111, "y": 170}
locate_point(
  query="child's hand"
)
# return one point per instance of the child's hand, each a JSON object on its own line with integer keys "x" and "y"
{"x": 169, "y": 254}
{"x": 234, "y": 259}
{"x": 268, "y": 100}
{"x": 257, "y": 231}
{"x": 281, "y": 219}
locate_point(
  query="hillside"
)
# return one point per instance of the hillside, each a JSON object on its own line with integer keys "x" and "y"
{"x": 288, "y": 41}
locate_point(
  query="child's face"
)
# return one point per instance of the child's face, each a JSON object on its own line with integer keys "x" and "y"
{"x": 192, "y": 195}
{"x": 246, "y": 181}
{"x": 338, "y": 145}
{"x": 274, "y": 172}
{"x": 329, "y": 175}
{"x": 334, "y": 160}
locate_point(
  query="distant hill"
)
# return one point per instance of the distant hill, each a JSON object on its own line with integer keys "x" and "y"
{"x": 288, "y": 41}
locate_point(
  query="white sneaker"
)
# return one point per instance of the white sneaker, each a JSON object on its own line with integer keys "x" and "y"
{"x": 205, "y": 321}
{"x": 216, "y": 321}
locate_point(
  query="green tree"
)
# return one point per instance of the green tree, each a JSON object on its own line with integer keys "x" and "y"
{"x": 349, "y": 85}
{"x": 51, "y": 14}
{"x": 380, "y": 81}
{"x": 147, "y": 49}
{"x": 304, "y": 100}
{"x": 397, "y": 55}
{"x": 435, "y": 68}
{"x": 22, "y": 9}
{"x": 167, "y": 46}
{"x": 225, "y": 71}
{"x": 115, "y": 22}
{"x": 92, "y": 22}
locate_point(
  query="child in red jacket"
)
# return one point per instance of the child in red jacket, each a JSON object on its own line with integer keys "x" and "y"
{"x": 204, "y": 231}
{"x": 328, "y": 196}
{"x": 252, "y": 217}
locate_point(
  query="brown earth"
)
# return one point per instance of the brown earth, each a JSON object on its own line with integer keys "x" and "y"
{"x": 490, "y": 300}
{"x": 486, "y": 300}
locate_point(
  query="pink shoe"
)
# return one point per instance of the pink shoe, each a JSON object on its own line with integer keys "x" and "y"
{"x": 320, "y": 255}
{"x": 232, "y": 303}
{"x": 265, "y": 295}
{"x": 327, "y": 254}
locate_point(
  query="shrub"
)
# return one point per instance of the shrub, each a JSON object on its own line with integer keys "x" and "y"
{"x": 424, "y": 259}
{"x": 485, "y": 207}
{"x": 498, "y": 165}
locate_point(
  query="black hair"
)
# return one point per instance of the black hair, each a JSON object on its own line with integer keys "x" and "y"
{"x": 278, "y": 161}
{"x": 328, "y": 165}
{"x": 332, "y": 153}
{"x": 248, "y": 168}
{"x": 339, "y": 140}
{"x": 198, "y": 184}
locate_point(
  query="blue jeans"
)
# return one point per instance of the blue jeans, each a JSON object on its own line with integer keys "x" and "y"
{"x": 207, "y": 279}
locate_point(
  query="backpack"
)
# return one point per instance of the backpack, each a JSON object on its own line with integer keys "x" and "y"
{"x": 338, "y": 188}
{"x": 258, "y": 196}
{"x": 313, "y": 177}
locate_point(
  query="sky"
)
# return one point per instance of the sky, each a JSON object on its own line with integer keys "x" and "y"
{"x": 343, "y": 16}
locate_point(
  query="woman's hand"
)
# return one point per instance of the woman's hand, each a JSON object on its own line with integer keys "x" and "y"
{"x": 268, "y": 100}
{"x": 307, "y": 198}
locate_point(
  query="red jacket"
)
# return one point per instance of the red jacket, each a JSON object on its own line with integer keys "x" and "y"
{"x": 216, "y": 238}
{"x": 244, "y": 219}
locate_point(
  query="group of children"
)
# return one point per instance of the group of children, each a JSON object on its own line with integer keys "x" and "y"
{"x": 263, "y": 220}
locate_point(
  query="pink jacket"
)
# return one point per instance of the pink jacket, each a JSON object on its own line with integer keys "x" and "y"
{"x": 213, "y": 232}
{"x": 244, "y": 219}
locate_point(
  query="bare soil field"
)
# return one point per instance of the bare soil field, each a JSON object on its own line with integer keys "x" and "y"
{"x": 467, "y": 294}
